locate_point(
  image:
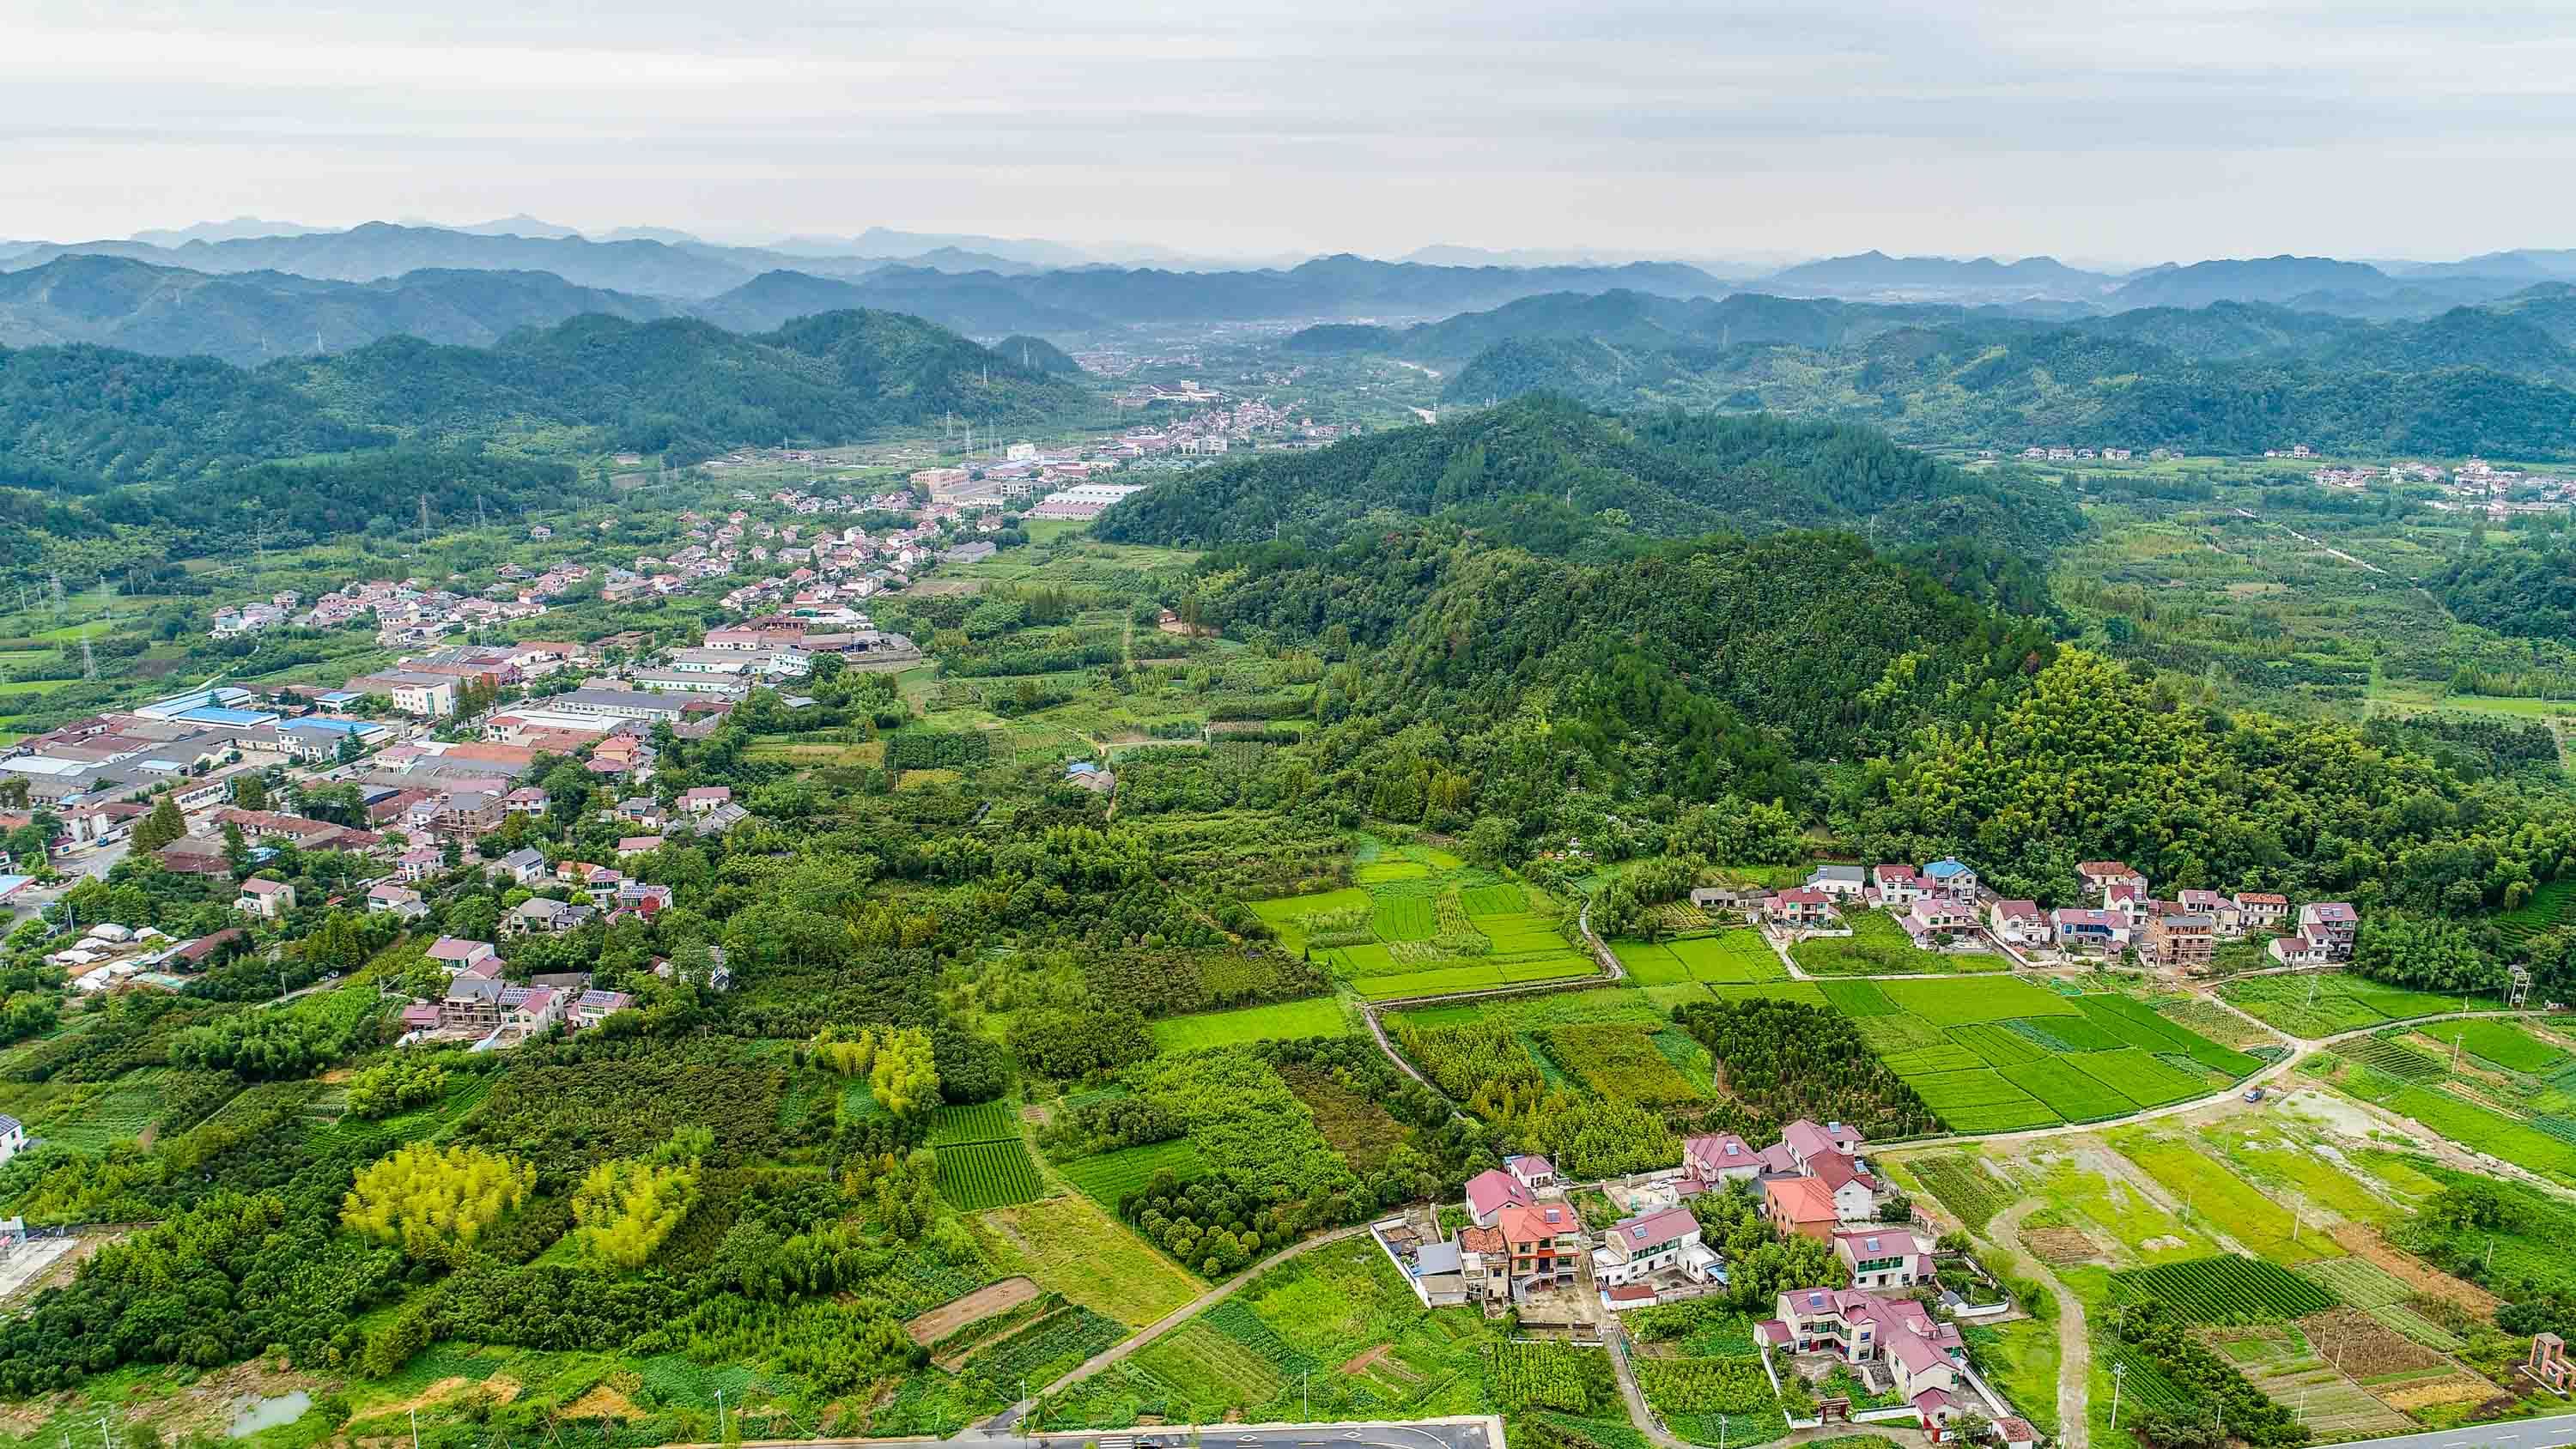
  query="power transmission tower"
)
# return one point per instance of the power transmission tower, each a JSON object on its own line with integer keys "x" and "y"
{"x": 424, "y": 518}
{"x": 479, "y": 523}
{"x": 89, "y": 661}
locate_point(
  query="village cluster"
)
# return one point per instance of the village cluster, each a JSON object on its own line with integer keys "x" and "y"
{"x": 1522, "y": 1246}
{"x": 1942, "y": 905}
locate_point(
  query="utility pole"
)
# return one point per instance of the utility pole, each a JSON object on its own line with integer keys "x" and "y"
{"x": 720, "y": 1416}
{"x": 2118, "y": 1371}
{"x": 415, "y": 1429}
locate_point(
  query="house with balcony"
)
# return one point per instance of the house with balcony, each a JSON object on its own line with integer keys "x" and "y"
{"x": 1926, "y": 1360}
{"x": 1951, "y": 879}
{"x": 1933, "y": 920}
{"x": 2019, "y": 923}
{"x": 1804, "y": 909}
{"x": 2262, "y": 910}
{"x": 2179, "y": 940}
{"x": 2333, "y": 924}
{"x": 1883, "y": 1257}
{"x": 1545, "y": 1244}
{"x": 268, "y": 900}
{"x": 2224, "y": 918}
{"x": 1636, "y": 1249}
{"x": 1894, "y": 887}
{"x": 2084, "y": 929}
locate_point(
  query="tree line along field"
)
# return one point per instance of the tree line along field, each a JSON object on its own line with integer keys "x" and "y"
{"x": 1417, "y": 921}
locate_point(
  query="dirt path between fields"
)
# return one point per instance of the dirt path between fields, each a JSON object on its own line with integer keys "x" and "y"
{"x": 2074, "y": 1342}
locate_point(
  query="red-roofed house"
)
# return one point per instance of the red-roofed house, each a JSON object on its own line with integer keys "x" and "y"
{"x": 1535, "y": 1173}
{"x": 1935, "y": 919}
{"x": 2019, "y": 923}
{"x": 1489, "y": 1192}
{"x": 2099, "y": 876}
{"x": 267, "y": 899}
{"x": 1808, "y": 1140}
{"x": 1883, "y": 1257}
{"x": 1855, "y": 1193}
{"x": 1805, "y": 908}
{"x": 453, "y": 954}
{"x": 2333, "y": 923}
{"x": 1650, "y": 1243}
{"x": 2262, "y": 910}
{"x": 1897, "y": 885}
{"x": 1924, "y": 1358}
{"x": 1724, "y": 1157}
{"x": 2223, "y": 915}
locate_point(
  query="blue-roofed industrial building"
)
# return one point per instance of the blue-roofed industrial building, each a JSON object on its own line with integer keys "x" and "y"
{"x": 214, "y": 715}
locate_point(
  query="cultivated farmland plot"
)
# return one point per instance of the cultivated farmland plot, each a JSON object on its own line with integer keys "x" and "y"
{"x": 1423, "y": 923}
{"x": 2229, "y": 1289}
{"x": 1965, "y": 1187}
{"x": 979, "y": 1175}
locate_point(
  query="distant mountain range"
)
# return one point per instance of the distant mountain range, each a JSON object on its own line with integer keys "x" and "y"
{"x": 2230, "y": 377}
{"x": 112, "y": 297}
{"x": 253, "y": 317}
{"x": 292, "y": 290}
{"x": 85, "y": 415}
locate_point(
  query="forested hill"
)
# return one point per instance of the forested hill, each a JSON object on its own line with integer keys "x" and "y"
{"x": 78, "y": 416}
{"x": 689, "y": 385}
{"x": 1705, "y": 667}
{"x": 2009, "y": 387}
{"x": 85, "y": 415}
{"x": 1667, "y": 475}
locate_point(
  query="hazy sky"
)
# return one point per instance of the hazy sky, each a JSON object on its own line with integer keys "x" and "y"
{"x": 2135, "y": 132}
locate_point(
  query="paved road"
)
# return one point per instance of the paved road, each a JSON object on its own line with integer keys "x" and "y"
{"x": 1464, "y": 1433}
{"x": 2525, "y": 1434}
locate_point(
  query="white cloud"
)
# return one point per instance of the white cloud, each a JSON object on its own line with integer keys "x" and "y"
{"x": 2146, "y": 131}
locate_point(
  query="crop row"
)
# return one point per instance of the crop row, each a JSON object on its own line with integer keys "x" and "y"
{"x": 979, "y": 1175}
{"x": 2228, "y": 1289}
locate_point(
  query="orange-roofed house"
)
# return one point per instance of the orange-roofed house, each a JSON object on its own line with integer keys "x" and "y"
{"x": 1545, "y": 1241}
{"x": 1800, "y": 1205}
